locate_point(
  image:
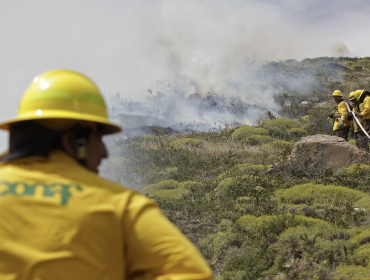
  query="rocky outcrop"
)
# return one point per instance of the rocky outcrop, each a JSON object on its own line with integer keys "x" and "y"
{"x": 328, "y": 151}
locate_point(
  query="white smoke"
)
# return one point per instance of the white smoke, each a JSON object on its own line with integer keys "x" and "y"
{"x": 204, "y": 45}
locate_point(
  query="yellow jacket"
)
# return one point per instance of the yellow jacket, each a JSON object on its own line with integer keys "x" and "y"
{"x": 356, "y": 128}
{"x": 61, "y": 221}
{"x": 341, "y": 114}
{"x": 365, "y": 108}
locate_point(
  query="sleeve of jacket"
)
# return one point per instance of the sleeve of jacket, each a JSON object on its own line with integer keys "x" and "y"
{"x": 366, "y": 110}
{"x": 343, "y": 111}
{"x": 155, "y": 249}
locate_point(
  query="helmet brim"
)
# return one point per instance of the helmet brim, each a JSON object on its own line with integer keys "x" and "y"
{"x": 107, "y": 126}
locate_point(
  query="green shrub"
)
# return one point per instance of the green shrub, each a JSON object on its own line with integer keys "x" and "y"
{"x": 279, "y": 150}
{"x": 317, "y": 244}
{"x": 297, "y": 132}
{"x": 354, "y": 272}
{"x": 258, "y": 189}
{"x": 357, "y": 167}
{"x": 163, "y": 185}
{"x": 192, "y": 185}
{"x": 245, "y": 131}
{"x": 283, "y": 124}
{"x": 305, "y": 119}
{"x": 352, "y": 142}
{"x": 243, "y": 169}
{"x": 361, "y": 238}
{"x": 220, "y": 241}
{"x": 165, "y": 174}
{"x": 196, "y": 143}
{"x": 234, "y": 275}
{"x": 311, "y": 193}
{"x": 318, "y": 121}
{"x": 252, "y": 225}
{"x": 361, "y": 256}
{"x": 177, "y": 193}
{"x": 259, "y": 139}
{"x": 280, "y": 145}
{"x": 279, "y": 127}
{"x": 363, "y": 203}
{"x": 357, "y": 67}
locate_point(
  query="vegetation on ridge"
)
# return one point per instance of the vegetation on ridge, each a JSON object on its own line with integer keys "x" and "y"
{"x": 299, "y": 223}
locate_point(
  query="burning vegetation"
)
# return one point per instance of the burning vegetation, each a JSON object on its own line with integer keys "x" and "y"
{"x": 203, "y": 158}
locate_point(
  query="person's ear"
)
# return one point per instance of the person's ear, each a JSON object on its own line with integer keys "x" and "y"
{"x": 67, "y": 141}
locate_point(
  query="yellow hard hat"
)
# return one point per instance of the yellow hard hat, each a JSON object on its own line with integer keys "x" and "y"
{"x": 337, "y": 93}
{"x": 355, "y": 95}
{"x": 359, "y": 93}
{"x": 60, "y": 96}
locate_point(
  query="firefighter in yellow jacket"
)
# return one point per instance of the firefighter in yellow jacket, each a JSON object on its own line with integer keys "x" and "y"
{"x": 340, "y": 116}
{"x": 363, "y": 114}
{"x": 59, "y": 219}
{"x": 358, "y": 134}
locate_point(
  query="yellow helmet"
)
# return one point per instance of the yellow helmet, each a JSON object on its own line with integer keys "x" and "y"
{"x": 355, "y": 95}
{"x": 359, "y": 93}
{"x": 337, "y": 93}
{"x": 61, "y": 97}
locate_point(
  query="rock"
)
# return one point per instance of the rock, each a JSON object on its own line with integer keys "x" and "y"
{"x": 315, "y": 99}
{"x": 322, "y": 104}
{"x": 304, "y": 103}
{"x": 328, "y": 151}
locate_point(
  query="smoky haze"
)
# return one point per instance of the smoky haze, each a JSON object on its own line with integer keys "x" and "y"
{"x": 204, "y": 46}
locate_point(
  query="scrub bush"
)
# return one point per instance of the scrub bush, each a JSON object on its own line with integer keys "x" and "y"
{"x": 278, "y": 127}
{"x": 358, "y": 167}
{"x": 166, "y": 174}
{"x": 259, "y": 139}
{"x": 334, "y": 204}
{"x": 315, "y": 244}
{"x": 259, "y": 191}
{"x": 279, "y": 150}
{"x": 312, "y": 194}
{"x": 297, "y": 132}
{"x": 245, "y": 131}
{"x": 195, "y": 143}
{"x": 318, "y": 121}
{"x": 282, "y": 124}
{"x": 177, "y": 193}
{"x": 280, "y": 145}
{"x": 273, "y": 225}
{"x": 243, "y": 169}
{"x": 363, "y": 203}
{"x": 354, "y": 272}
{"x": 361, "y": 256}
{"x": 359, "y": 239}
{"x": 163, "y": 185}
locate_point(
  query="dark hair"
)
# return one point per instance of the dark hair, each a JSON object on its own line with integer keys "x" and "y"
{"x": 29, "y": 138}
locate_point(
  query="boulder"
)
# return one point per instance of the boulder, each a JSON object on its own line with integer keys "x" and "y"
{"x": 328, "y": 151}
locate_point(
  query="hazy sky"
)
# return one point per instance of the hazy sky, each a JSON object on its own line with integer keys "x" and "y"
{"x": 126, "y": 45}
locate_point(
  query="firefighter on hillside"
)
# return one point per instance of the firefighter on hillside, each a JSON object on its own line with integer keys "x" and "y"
{"x": 59, "y": 219}
{"x": 340, "y": 116}
{"x": 363, "y": 114}
{"x": 358, "y": 134}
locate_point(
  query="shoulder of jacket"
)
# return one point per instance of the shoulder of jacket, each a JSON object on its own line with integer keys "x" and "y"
{"x": 111, "y": 186}
{"x": 342, "y": 104}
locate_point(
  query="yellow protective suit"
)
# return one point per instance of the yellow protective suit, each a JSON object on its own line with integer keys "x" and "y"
{"x": 61, "y": 221}
{"x": 341, "y": 114}
{"x": 365, "y": 108}
{"x": 356, "y": 128}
